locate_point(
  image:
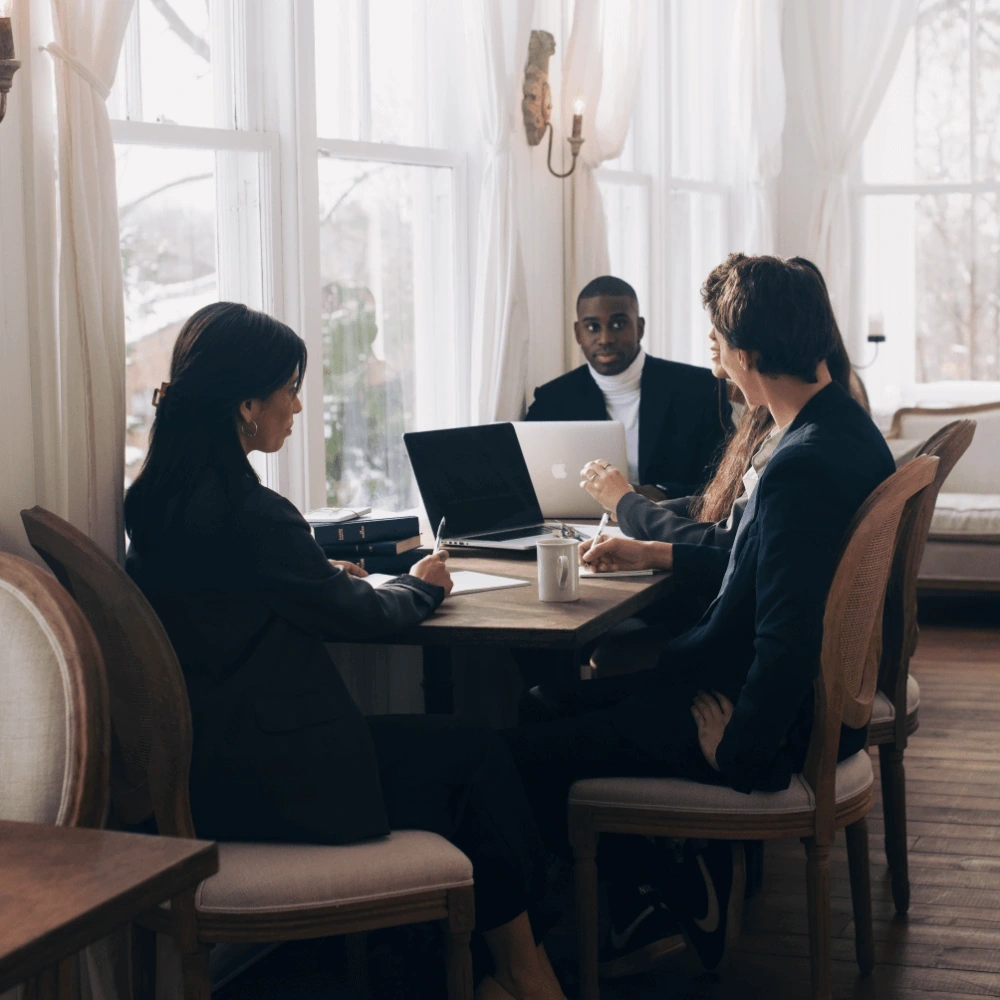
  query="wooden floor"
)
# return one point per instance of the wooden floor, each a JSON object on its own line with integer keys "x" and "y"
{"x": 949, "y": 943}
{"x": 947, "y": 947}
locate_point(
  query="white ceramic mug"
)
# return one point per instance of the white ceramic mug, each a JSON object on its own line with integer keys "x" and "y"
{"x": 558, "y": 569}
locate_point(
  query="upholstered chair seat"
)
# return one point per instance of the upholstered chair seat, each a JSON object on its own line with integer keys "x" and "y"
{"x": 883, "y": 710}
{"x": 854, "y": 778}
{"x": 277, "y": 878}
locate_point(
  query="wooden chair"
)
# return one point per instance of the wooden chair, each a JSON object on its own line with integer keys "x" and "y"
{"x": 825, "y": 797}
{"x": 897, "y": 702}
{"x": 262, "y": 892}
{"x": 54, "y": 724}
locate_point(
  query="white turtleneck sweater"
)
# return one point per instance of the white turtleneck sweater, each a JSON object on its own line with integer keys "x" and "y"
{"x": 621, "y": 396}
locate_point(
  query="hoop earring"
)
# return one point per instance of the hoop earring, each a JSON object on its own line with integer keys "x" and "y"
{"x": 246, "y": 433}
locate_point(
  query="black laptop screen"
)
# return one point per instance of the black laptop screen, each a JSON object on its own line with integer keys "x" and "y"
{"x": 475, "y": 477}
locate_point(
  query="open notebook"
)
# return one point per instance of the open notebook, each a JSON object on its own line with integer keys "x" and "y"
{"x": 465, "y": 580}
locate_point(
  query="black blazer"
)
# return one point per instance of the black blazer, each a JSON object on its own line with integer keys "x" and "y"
{"x": 281, "y": 750}
{"x": 684, "y": 416}
{"x": 701, "y": 548}
{"x": 760, "y": 640}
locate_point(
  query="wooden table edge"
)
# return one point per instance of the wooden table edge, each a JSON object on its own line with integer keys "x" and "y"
{"x": 21, "y": 964}
{"x": 430, "y": 634}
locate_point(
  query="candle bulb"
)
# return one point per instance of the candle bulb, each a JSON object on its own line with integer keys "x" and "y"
{"x": 577, "y": 117}
{"x": 6, "y": 38}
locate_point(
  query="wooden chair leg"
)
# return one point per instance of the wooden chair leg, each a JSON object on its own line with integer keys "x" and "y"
{"x": 894, "y": 810}
{"x": 584, "y": 841}
{"x": 194, "y": 953}
{"x": 458, "y": 930}
{"x": 818, "y": 904}
{"x": 861, "y": 894}
{"x": 197, "y": 974}
{"x": 356, "y": 946}
{"x": 143, "y": 963}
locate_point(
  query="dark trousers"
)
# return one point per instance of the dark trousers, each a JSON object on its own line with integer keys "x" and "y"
{"x": 585, "y": 742}
{"x": 458, "y": 780}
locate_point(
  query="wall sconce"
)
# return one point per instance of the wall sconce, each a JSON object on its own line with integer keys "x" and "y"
{"x": 8, "y": 64}
{"x": 537, "y": 103}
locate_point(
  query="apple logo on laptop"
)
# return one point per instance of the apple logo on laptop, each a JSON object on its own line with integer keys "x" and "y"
{"x": 559, "y": 470}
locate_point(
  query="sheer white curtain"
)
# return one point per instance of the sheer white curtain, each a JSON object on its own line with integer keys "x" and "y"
{"x": 603, "y": 62}
{"x": 849, "y": 49}
{"x": 760, "y": 118}
{"x": 87, "y": 46}
{"x": 498, "y": 32}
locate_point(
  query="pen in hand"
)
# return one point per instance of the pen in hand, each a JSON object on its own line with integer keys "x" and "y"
{"x": 438, "y": 537}
{"x": 600, "y": 528}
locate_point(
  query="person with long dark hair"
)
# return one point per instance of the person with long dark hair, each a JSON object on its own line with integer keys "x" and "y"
{"x": 281, "y": 751}
{"x": 729, "y": 701}
{"x": 700, "y": 529}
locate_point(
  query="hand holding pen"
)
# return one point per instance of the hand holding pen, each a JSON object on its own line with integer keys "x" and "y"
{"x": 433, "y": 568}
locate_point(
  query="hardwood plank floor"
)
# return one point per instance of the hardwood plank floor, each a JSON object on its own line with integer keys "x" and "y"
{"x": 949, "y": 943}
{"x": 947, "y": 947}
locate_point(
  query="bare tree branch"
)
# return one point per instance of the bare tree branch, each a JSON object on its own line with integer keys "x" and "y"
{"x": 178, "y": 26}
{"x": 125, "y": 209}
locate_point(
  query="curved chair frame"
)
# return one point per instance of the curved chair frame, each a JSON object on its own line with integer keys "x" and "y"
{"x": 899, "y": 641}
{"x": 844, "y": 691}
{"x": 87, "y": 801}
{"x": 152, "y": 728}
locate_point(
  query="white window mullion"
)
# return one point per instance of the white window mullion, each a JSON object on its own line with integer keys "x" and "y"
{"x": 132, "y": 64}
{"x": 364, "y": 71}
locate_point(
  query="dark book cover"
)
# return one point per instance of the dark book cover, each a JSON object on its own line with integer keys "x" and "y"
{"x": 352, "y": 550}
{"x": 392, "y": 527}
{"x": 393, "y": 565}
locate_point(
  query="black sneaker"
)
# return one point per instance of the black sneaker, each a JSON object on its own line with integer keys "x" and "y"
{"x": 704, "y": 888}
{"x": 643, "y": 932}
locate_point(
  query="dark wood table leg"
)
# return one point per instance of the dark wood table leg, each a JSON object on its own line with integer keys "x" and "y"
{"x": 439, "y": 681}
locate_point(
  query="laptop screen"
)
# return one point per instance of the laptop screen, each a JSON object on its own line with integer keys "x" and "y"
{"x": 475, "y": 477}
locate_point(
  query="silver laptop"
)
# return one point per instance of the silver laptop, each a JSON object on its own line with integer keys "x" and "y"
{"x": 556, "y": 451}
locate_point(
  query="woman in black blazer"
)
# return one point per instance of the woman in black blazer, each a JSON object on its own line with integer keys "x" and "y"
{"x": 281, "y": 751}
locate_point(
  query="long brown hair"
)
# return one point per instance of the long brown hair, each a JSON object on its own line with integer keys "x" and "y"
{"x": 726, "y": 484}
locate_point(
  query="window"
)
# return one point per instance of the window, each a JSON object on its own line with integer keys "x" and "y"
{"x": 627, "y": 186}
{"x": 928, "y": 212}
{"x": 390, "y": 200}
{"x": 191, "y": 175}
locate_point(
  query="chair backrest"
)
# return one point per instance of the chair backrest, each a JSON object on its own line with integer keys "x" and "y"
{"x": 979, "y": 469}
{"x": 150, "y": 714}
{"x": 899, "y": 629}
{"x": 54, "y": 728}
{"x": 852, "y": 643}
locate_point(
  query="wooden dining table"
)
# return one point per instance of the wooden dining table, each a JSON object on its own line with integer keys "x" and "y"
{"x": 517, "y": 619}
{"x": 64, "y": 888}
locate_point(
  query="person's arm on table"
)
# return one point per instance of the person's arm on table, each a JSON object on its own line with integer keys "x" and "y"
{"x": 303, "y": 587}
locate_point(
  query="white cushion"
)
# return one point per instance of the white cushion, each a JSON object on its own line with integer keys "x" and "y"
{"x": 36, "y": 738}
{"x": 854, "y": 775}
{"x": 272, "y": 878}
{"x": 978, "y": 470}
{"x": 964, "y": 514}
{"x": 883, "y": 710}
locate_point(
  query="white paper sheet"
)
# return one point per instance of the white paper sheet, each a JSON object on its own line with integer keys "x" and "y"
{"x": 466, "y": 581}
{"x": 586, "y": 574}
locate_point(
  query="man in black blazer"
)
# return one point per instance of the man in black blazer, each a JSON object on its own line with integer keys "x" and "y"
{"x": 676, "y": 416}
{"x": 731, "y": 700}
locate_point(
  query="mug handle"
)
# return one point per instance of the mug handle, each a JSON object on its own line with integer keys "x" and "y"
{"x": 563, "y": 572}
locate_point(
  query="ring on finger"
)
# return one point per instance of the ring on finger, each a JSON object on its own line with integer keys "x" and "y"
{"x": 591, "y": 478}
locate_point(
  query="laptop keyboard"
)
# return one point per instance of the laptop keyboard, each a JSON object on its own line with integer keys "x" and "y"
{"x": 503, "y": 536}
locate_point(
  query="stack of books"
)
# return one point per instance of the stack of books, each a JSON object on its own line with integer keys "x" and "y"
{"x": 377, "y": 541}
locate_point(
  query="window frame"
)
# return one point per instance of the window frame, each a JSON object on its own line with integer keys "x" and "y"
{"x": 913, "y": 392}
{"x": 247, "y": 136}
{"x": 310, "y": 147}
